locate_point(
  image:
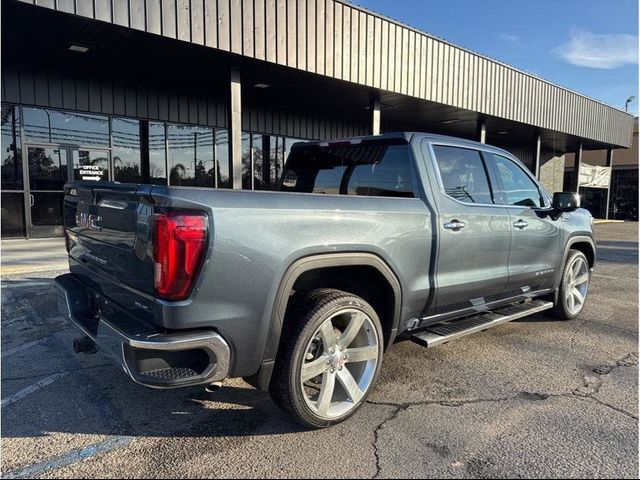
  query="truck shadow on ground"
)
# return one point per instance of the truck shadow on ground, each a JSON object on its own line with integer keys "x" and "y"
{"x": 95, "y": 397}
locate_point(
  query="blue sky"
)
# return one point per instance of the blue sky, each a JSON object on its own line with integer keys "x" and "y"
{"x": 590, "y": 46}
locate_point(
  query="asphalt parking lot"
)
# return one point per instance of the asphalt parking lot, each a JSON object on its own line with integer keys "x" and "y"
{"x": 533, "y": 398}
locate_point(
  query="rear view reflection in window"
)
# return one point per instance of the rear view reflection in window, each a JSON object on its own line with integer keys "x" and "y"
{"x": 370, "y": 170}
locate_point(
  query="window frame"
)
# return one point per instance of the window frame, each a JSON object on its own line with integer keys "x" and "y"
{"x": 500, "y": 197}
{"x": 488, "y": 172}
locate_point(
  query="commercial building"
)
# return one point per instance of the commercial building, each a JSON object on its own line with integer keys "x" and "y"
{"x": 212, "y": 93}
{"x": 620, "y": 201}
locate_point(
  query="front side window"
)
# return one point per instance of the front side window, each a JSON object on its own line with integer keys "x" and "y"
{"x": 517, "y": 186}
{"x": 369, "y": 170}
{"x": 463, "y": 175}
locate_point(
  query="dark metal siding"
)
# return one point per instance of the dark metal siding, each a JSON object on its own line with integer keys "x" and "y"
{"x": 65, "y": 90}
{"x": 339, "y": 40}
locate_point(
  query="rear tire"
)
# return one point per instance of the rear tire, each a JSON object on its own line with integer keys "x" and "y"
{"x": 574, "y": 286}
{"x": 329, "y": 358}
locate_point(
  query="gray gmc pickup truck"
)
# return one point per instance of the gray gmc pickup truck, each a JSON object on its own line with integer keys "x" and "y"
{"x": 367, "y": 241}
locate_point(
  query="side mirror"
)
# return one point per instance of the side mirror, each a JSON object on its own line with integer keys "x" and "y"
{"x": 566, "y": 201}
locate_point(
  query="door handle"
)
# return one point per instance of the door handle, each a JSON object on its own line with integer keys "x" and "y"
{"x": 454, "y": 225}
{"x": 32, "y": 200}
{"x": 520, "y": 224}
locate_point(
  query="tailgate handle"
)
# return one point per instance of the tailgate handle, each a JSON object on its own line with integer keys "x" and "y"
{"x": 106, "y": 203}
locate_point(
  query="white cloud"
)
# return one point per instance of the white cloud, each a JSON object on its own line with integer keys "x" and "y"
{"x": 511, "y": 38}
{"x": 594, "y": 50}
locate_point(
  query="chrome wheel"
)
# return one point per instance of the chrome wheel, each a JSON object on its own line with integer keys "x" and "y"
{"x": 340, "y": 363}
{"x": 575, "y": 291}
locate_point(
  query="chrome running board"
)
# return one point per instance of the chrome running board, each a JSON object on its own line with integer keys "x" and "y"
{"x": 444, "y": 332}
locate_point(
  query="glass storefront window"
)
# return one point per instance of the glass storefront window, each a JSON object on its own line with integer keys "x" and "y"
{"x": 263, "y": 158}
{"x": 190, "y": 154}
{"x": 157, "y": 153}
{"x": 222, "y": 158}
{"x": 12, "y": 214}
{"x": 246, "y": 161}
{"x": 11, "y": 149}
{"x": 259, "y": 144}
{"x": 125, "y": 150}
{"x": 52, "y": 126}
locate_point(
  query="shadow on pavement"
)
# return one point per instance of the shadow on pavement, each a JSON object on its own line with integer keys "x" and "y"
{"x": 95, "y": 397}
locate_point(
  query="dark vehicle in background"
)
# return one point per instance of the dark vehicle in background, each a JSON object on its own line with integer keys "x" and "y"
{"x": 398, "y": 236}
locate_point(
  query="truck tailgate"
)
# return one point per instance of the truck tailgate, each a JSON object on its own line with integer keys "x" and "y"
{"x": 108, "y": 229}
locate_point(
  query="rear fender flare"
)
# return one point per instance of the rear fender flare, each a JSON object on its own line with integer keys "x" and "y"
{"x": 262, "y": 378}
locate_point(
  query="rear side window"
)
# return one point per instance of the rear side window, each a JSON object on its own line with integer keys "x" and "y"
{"x": 517, "y": 186}
{"x": 463, "y": 174}
{"x": 371, "y": 170}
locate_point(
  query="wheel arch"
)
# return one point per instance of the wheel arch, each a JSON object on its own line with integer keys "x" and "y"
{"x": 295, "y": 272}
{"x": 583, "y": 243}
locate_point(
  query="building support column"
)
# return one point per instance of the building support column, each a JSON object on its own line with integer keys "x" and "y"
{"x": 481, "y": 135}
{"x": 577, "y": 163}
{"x": 145, "y": 166}
{"x": 266, "y": 161}
{"x": 536, "y": 158}
{"x": 374, "y": 107}
{"x": 610, "y": 165}
{"x": 235, "y": 128}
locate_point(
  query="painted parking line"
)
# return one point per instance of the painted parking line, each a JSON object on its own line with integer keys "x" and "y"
{"x": 25, "y": 392}
{"x": 70, "y": 458}
{"x": 24, "y": 284}
{"x": 20, "y": 269}
{"x": 605, "y": 276}
{"x": 22, "y": 347}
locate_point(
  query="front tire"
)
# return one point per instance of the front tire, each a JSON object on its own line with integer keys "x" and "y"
{"x": 574, "y": 286}
{"x": 329, "y": 359}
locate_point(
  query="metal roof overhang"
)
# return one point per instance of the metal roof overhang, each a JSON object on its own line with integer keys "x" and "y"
{"x": 333, "y": 57}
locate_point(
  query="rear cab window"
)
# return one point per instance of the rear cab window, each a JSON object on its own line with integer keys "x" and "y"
{"x": 379, "y": 170}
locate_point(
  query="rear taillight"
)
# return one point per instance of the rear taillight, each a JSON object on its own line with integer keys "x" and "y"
{"x": 179, "y": 246}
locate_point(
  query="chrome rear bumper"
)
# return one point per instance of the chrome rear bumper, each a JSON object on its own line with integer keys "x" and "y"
{"x": 151, "y": 358}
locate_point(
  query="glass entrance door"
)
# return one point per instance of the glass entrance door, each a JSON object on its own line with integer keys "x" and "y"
{"x": 50, "y": 167}
{"x": 48, "y": 172}
{"x": 91, "y": 164}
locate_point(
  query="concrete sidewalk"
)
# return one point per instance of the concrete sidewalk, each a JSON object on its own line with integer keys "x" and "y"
{"x": 23, "y": 256}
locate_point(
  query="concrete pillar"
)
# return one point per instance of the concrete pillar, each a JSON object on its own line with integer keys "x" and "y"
{"x": 375, "y": 116}
{"x": 536, "y": 158}
{"x": 577, "y": 162}
{"x": 610, "y": 165}
{"x": 482, "y": 130}
{"x": 235, "y": 128}
{"x": 145, "y": 168}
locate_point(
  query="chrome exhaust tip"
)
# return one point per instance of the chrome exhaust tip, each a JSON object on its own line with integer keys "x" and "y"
{"x": 213, "y": 387}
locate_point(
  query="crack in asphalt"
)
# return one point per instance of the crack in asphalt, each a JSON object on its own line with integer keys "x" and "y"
{"x": 614, "y": 327}
{"x": 376, "y": 452}
{"x": 572, "y": 340}
{"x": 401, "y": 407}
{"x": 592, "y": 387}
